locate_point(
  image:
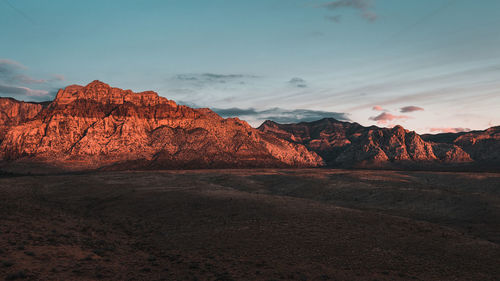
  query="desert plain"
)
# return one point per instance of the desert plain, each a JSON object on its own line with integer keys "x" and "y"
{"x": 258, "y": 224}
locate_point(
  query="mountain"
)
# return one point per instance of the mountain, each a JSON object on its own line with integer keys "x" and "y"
{"x": 13, "y": 113}
{"x": 97, "y": 126}
{"x": 350, "y": 144}
{"x": 482, "y": 146}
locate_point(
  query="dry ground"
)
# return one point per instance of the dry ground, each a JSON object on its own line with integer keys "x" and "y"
{"x": 311, "y": 224}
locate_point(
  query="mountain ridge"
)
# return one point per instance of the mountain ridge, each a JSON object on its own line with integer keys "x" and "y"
{"x": 346, "y": 144}
{"x": 99, "y": 126}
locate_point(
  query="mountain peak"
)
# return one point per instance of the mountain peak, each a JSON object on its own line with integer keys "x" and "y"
{"x": 100, "y": 92}
{"x": 398, "y": 129}
{"x": 97, "y": 82}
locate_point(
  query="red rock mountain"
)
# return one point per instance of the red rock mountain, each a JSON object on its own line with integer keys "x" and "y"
{"x": 350, "y": 144}
{"x": 480, "y": 145}
{"x": 97, "y": 125}
{"x": 13, "y": 113}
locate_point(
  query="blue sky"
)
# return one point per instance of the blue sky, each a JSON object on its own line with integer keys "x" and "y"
{"x": 288, "y": 60}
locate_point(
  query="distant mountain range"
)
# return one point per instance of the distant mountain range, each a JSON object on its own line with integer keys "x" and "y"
{"x": 98, "y": 126}
{"x": 345, "y": 144}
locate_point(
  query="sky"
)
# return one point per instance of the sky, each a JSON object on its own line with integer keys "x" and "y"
{"x": 429, "y": 65}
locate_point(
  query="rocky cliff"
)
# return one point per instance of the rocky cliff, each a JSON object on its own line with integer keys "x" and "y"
{"x": 98, "y": 125}
{"x": 482, "y": 146}
{"x": 14, "y": 112}
{"x": 350, "y": 144}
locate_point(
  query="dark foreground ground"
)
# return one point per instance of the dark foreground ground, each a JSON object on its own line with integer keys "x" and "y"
{"x": 251, "y": 225}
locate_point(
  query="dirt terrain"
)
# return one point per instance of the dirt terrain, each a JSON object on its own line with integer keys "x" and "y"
{"x": 272, "y": 224}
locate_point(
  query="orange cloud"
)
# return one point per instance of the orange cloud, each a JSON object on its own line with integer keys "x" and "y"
{"x": 385, "y": 117}
{"x": 410, "y": 108}
{"x": 449, "y": 130}
{"x": 378, "y": 108}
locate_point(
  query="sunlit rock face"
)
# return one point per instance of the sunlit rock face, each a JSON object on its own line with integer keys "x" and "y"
{"x": 13, "y": 112}
{"x": 97, "y": 125}
{"x": 350, "y": 144}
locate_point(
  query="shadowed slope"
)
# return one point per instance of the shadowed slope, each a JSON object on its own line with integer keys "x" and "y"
{"x": 350, "y": 144}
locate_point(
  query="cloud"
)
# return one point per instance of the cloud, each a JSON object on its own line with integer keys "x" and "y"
{"x": 378, "y": 108}
{"x": 410, "y": 108}
{"x": 10, "y": 64}
{"x": 279, "y": 115}
{"x": 385, "y": 117}
{"x": 11, "y": 72}
{"x": 14, "y": 81}
{"x": 449, "y": 130}
{"x": 335, "y": 19}
{"x": 29, "y": 80}
{"x": 363, "y": 6}
{"x": 210, "y": 78}
{"x": 58, "y": 77}
{"x": 21, "y": 91}
{"x": 298, "y": 82}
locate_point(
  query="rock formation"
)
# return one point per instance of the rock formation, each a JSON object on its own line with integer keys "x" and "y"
{"x": 97, "y": 125}
{"x": 482, "y": 146}
{"x": 350, "y": 144}
{"x": 14, "y": 112}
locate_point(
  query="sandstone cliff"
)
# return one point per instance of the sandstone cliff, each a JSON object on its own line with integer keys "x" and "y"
{"x": 14, "y": 112}
{"x": 97, "y": 125}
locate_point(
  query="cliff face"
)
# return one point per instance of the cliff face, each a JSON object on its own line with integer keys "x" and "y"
{"x": 350, "y": 144}
{"x": 13, "y": 112}
{"x": 97, "y": 125}
{"x": 480, "y": 145}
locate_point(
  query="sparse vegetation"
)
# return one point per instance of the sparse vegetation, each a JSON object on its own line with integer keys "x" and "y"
{"x": 196, "y": 228}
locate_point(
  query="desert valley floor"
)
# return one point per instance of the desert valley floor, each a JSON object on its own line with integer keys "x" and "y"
{"x": 267, "y": 224}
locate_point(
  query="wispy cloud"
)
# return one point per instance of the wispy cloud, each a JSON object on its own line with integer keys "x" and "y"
{"x": 378, "y": 108}
{"x": 21, "y": 91}
{"x": 12, "y": 72}
{"x": 298, "y": 82}
{"x": 410, "y": 108}
{"x": 9, "y": 70}
{"x": 363, "y": 6}
{"x": 57, "y": 77}
{"x": 280, "y": 115}
{"x": 14, "y": 81}
{"x": 449, "y": 130}
{"x": 210, "y": 78}
{"x": 386, "y": 117}
{"x": 335, "y": 19}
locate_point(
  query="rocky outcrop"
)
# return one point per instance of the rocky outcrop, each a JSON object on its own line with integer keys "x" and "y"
{"x": 350, "y": 144}
{"x": 482, "y": 146}
{"x": 14, "y": 112}
{"x": 98, "y": 125}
